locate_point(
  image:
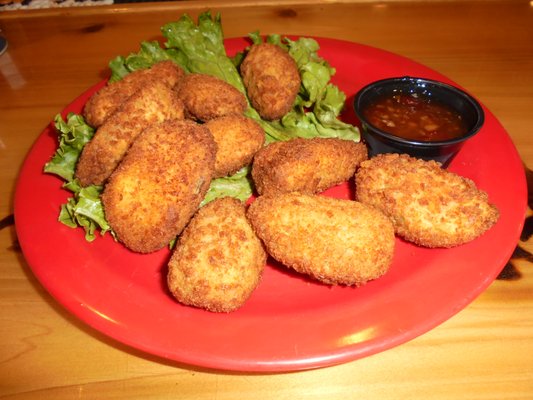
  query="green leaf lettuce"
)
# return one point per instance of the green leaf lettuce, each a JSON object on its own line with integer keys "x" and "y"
{"x": 84, "y": 208}
{"x": 199, "y": 48}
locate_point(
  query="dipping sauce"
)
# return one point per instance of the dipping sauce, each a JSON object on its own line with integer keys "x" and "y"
{"x": 415, "y": 117}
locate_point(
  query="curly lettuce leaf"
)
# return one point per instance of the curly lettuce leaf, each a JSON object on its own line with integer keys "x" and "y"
{"x": 199, "y": 48}
{"x": 319, "y": 103}
{"x": 149, "y": 54}
{"x": 74, "y": 134}
{"x": 202, "y": 46}
{"x": 238, "y": 185}
{"x": 84, "y": 209}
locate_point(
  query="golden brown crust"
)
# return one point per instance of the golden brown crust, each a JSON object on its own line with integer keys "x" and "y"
{"x": 334, "y": 241}
{"x": 206, "y": 97}
{"x": 306, "y": 165}
{"x": 159, "y": 184}
{"x": 153, "y": 103}
{"x": 238, "y": 138}
{"x": 271, "y": 78}
{"x": 218, "y": 260}
{"x": 428, "y": 205}
{"x": 108, "y": 99}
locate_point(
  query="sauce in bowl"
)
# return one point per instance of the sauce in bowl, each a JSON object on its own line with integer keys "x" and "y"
{"x": 422, "y": 117}
{"x": 416, "y": 117}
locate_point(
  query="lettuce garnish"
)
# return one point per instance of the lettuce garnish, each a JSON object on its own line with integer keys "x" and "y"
{"x": 238, "y": 185}
{"x": 84, "y": 208}
{"x": 319, "y": 103}
{"x": 74, "y": 133}
{"x": 199, "y": 48}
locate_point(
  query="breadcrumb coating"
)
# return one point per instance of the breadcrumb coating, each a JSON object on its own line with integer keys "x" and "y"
{"x": 429, "y": 206}
{"x": 155, "y": 102}
{"x": 332, "y": 240}
{"x": 238, "y": 138}
{"x": 306, "y": 165}
{"x": 159, "y": 184}
{"x": 218, "y": 260}
{"x": 107, "y": 100}
{"x": 271, "y": 78}
{"x": 206, "y": 97}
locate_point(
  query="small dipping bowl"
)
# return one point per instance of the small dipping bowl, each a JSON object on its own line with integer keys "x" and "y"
{"x": 442, "y": 151}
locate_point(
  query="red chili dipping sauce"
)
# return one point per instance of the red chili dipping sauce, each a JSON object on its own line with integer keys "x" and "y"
{"x": 415, "y": 117}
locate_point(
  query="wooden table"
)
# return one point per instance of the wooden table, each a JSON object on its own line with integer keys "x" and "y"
{"x": 484, "y": 352}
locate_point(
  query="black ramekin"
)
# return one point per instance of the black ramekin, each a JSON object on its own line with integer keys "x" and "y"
{"x": 379, "y": 141}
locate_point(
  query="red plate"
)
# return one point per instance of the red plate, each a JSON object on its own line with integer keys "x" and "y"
{"x": 290, "y": 322}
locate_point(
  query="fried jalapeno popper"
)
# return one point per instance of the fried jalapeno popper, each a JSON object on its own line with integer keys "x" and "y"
{"x": 159, "y": 184}
{"x": 218, "y": 260}
{"x": 238, "y": 138}
{"x": 334, "y": 241}
{"x": 271, "y": 78}
{"x": 306, "y": 165}
{"x": 108, "y": 99}
{"x": 155, "y": 102}
{"x": 206, "y": 97}
{"x": 429, "y": 206}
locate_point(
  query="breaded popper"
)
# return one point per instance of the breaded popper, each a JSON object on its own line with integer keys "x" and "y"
{"x": 206, "y": 97}
{"x": 159, "y": 184}
{"x": 429, "y": 206}
{"x": 306, "y": 165}
{"x": 153, "y": 103}
{"x": 272, "y": 80}
{"x": 218, "y": 260}
{"x": 108, "y": 99}
{"x": 332, "y": 240}
{"x": 238, "y": 138}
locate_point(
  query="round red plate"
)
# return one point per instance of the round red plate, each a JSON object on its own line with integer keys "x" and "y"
{"x": 290, "y": 322}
